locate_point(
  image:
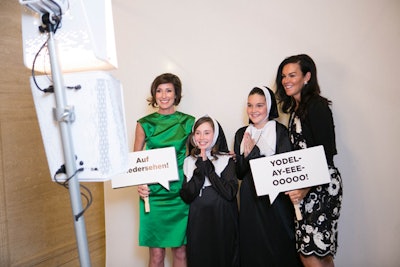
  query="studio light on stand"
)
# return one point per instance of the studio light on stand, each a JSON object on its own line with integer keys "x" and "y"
{"x": 79, "y": 37}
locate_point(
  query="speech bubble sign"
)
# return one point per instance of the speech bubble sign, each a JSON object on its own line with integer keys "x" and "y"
{"x": 149, "y": 167}
{"x": 289, "y": 171}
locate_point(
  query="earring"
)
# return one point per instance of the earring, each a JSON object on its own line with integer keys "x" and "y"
{"x": 305, "y": 82}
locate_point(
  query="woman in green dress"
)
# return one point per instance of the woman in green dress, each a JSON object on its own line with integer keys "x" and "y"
{"x": 165, "y": 225}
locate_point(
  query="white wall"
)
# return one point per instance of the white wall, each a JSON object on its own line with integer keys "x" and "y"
{"x": 221, "y": 49}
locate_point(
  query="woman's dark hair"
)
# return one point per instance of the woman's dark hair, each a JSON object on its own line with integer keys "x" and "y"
{"x": 273, "y": 113}
{"x": 166, "y": 78}
{"x": 310, "y": 90}
{"x": 220, "y": 147}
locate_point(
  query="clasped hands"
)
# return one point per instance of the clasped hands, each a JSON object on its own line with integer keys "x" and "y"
{"x": 248, "y": 144}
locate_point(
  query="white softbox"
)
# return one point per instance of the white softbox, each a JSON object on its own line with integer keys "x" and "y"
{"x": 98, "y": 132}
{"x": 85, "y": 37}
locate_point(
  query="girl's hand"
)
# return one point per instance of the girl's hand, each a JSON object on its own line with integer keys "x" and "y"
{"x": 233, "y": 155}
{"x": 203, "y": 154}
{"x": 248, "y": 144}
{"x": 143, "y": 191}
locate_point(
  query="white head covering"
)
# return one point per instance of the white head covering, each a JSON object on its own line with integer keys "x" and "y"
{"x": 265, "y": 137}
{"x": 216, "y": 134}
{"x": 189, "y": 164}
{"x": 267, "y": 98}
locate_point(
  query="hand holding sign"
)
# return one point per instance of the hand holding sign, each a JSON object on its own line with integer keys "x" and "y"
{"x": 149, "y": 167}
{"x": 144, "y": 193}
{"x": 289, "y": 171}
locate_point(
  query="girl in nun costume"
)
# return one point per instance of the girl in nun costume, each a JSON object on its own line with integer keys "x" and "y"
{"x": 266, "y": 230}
{"x": 210, "y": 187}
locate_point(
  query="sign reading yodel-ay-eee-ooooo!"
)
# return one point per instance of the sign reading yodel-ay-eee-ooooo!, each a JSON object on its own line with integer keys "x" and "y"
{"x": 289, "y": 171}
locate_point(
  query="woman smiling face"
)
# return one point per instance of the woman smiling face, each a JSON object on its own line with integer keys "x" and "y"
{"x": 165, "y": 98}
{"x": 293, "y": 80}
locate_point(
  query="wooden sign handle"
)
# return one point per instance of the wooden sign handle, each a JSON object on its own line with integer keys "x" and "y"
{"x": 146, "y": 204}
{"x": 298, "y": 212}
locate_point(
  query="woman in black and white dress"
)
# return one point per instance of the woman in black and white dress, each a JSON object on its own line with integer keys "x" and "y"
{"x": 311, "y": 124}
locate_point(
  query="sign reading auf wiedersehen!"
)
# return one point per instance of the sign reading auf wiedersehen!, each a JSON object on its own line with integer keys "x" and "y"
{"x": 149, "y": 167}
{"x": 289, "y": 171}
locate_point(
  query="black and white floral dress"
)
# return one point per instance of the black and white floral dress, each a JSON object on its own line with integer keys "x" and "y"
{"x": 317, "y": 233}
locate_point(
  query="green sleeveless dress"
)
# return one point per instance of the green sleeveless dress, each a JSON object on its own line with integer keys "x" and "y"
{"x": 165, "y": 225}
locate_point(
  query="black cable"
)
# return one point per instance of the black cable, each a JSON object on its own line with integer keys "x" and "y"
{"x": 88, "y": 197}
{"x": 89, "y": 200}
{"x": 50, "y": 89}
{"x": 47, "y": 90}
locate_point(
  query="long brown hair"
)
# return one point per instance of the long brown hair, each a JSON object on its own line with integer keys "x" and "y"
{"x": 310, "y": 90}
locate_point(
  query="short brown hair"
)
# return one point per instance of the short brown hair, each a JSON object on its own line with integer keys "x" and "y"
{"x": 166, "y": 78}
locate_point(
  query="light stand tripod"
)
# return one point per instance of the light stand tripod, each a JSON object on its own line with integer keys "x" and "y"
{"x": 64, "y": 115}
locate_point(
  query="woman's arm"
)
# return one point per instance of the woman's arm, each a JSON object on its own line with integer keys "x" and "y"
{"x": 138, "y": 145}
{"x": 320, "y": 122}
{"x": 140, "y": 137}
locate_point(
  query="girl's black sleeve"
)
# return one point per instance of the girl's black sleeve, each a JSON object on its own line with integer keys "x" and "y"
{"x": 226, "y": 185}
{"x": 191, "y": 189}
